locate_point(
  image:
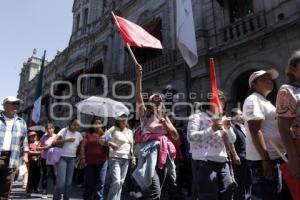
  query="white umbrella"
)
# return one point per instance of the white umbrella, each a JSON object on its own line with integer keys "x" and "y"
{"x": 102, "y": 107}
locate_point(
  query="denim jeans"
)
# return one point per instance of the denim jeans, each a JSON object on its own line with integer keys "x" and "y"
{"x": 118, "y": 169}
{"x": 65, "y": 169}
{"x": 158, "y": 180}
{"x": 212, "y": 180}
{"x": 94, "y": 181}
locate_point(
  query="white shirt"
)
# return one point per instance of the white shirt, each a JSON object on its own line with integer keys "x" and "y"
{"x": 8, "y": 134}
{"x": 257, "y": 107}
{"x": 124, "y": 141}
{"x": 205, "y": 144}
{"x": 70, "y": 148}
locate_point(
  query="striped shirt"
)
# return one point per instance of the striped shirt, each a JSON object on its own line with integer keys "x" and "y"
{"x": 19, "y": 141}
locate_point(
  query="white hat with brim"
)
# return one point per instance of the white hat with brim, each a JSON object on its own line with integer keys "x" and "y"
{"x": 121, "y": 114}
{"x": 12, "y": 99}
{"x": 272, "y": 72}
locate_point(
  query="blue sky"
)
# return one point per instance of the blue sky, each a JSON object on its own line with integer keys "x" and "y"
{"x": 28, "y": 24}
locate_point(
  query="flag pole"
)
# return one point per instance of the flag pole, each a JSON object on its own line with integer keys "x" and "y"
{"x": 132, "y": 55}
{"x": 129, "y": 48}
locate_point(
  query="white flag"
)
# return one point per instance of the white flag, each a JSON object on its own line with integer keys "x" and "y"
{"x": 185, "y": 32}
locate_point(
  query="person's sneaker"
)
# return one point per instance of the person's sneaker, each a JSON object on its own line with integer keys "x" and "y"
{"x": 28, "y": 195}
{"x": 44, "y": 196}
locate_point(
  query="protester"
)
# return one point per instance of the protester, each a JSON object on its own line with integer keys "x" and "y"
{"x": 70, "y": 139}
{"x": 242, "y": 172}
{"x": 34, "y": 173}
{"x": 157, "y": 152}
{"x": 288, "y": 112}
{"x": 119, "y": 138}
{"x": 47, "y": 170}
{"x": 261, "y": 127}
{"x": 209, "y": 135}
{"x": 13, "y": 143}
{"x": 94, "y": 155}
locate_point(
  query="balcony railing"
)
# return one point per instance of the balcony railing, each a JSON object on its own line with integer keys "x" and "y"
{"x": 243, "y": 28}
{"x": 150, "y": 67}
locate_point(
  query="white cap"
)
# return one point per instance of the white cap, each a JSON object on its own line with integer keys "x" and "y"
{"x": 12, "y": 99}
{"x": 120, "y": 114}
{"x": 273, "y": 73}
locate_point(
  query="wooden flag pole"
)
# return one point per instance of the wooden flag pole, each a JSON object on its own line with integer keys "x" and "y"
{"x": 278, "y": 150}
{"x": 132, "y": 54}
{"x": 129, "y": 48}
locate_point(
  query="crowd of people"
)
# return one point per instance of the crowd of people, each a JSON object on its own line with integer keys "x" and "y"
{"x": 209, "y": 157}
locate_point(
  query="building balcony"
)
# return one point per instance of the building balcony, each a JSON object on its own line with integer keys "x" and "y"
{"x": 150, "y": 67}
{"x": 242, "y": 28}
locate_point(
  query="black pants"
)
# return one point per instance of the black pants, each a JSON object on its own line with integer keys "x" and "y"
{"x": 154, "y": 191}
{"x": 47, "y": 171}
{"x": 34, "y": 176}
{"x": 212, "y": 180}
{"x": 7, "y": 176}
{"x": 185, "y": 176}
{"x": 242, "y": 174}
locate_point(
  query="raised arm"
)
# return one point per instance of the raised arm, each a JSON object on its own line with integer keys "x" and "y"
{"x": 138, "y": 92}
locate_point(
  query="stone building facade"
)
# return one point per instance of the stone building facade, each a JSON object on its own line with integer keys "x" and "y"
{"x": 242, "y": 36}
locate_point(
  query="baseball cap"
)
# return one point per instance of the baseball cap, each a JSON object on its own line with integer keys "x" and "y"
{"x": 12, "y": 99}
{"x": 121, "y": 114}
{"x": 273, "y": 73}
{"x": 154, "y": 95}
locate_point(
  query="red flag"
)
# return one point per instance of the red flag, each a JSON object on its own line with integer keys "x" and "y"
{"x": 214, "y": 87}
{"x": 135, "y": 35}
{"x": 292, "y": 182}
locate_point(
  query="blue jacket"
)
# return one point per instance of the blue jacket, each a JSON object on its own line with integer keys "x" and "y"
{"x": 147, "y": 160}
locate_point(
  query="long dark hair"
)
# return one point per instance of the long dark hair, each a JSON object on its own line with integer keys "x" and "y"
{"x": 293, "y": 61}
{"x": 92, "y": 129}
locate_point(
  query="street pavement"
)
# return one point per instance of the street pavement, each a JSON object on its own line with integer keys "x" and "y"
{"x": 19, "y": 193}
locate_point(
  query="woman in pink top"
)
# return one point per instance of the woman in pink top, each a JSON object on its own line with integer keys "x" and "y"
{"x": 44, "y": 145}
{"x": 288, "y": 111}
{"x": 155, "y": 126}
{"x": 34, "y": 167}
